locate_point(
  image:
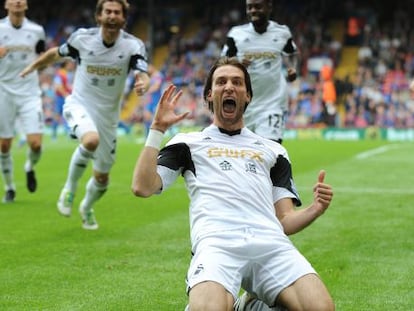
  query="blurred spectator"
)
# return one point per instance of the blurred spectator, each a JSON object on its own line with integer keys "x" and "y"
{"x": 353, "y": 31}
{"x": 48, "y": 94}
{"x": 328, "y": 95}
{"x": 62, "y": 84}
{"x": 153, "y": 95}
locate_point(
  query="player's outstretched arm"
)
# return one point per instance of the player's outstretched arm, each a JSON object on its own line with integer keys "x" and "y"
{"x": 293, "y": 220}
{"x": 47, "y": 58}
{"x": 145, "y": 179}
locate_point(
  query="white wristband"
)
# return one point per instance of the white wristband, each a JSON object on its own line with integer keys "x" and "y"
{"x": 154, "y": 139}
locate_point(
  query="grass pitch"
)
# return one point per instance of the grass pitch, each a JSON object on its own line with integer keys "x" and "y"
{"x": 362, "y": 247}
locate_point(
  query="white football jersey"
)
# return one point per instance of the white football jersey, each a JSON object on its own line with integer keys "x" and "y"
{"x": 265, "y": 52}
{"x": 102, "y": 70}
{"x": 23, "y": 45}
{"x": 232, "y": 180}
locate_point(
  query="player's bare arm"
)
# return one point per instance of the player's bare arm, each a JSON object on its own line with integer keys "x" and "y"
{"x": 142, "y": 83}
{"x": 291, "y": 64}
{"x": 146, "y": 181}
{"x": 293, "y": 220}
{"x": 47, "y": 58}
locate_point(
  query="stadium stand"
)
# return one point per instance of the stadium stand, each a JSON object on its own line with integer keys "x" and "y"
{"x": 371, "y": 71}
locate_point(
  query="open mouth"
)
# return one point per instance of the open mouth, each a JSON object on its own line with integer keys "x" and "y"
{"x": 229, "y": 105}
{"x": 111, "y": 25}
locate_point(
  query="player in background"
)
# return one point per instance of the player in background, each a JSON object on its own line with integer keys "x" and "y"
{"x": 264, "y": 46}
{"x": 242, "y": 201}
{"x": 62, "y": 84}
{"x": 21, "y": 41}
{"x": 151, "y": 98}
{"x": 104, "y": 57}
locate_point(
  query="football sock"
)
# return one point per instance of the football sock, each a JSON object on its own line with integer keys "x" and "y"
{"x": 94, "y": 191}
{"x": 32, "y": 158}
{"x": 6, "y": 165}
{"x": 77, "y": 166}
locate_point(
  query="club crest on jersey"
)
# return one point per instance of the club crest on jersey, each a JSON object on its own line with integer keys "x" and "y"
{"x": 251, "y": 167}
{"x": 225, "y": 166}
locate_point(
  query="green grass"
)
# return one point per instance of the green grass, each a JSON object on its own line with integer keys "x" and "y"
{"x": 363, "y": 246}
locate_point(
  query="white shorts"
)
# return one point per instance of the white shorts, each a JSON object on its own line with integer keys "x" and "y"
{"x": 260, "y": 262}
{"x": 80, "y": 121}
{"x": 26, "y": 110}
{"x": 268, "y": 125}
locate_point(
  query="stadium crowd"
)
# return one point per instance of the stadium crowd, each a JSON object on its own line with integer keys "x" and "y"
{"x": 374, "y": 94}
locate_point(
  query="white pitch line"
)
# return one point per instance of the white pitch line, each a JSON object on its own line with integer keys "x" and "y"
{"x": 376, "y": 151}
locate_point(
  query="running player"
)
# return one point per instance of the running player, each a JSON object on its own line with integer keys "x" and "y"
{"x": 21, "y": 41}
{"x": 104, "y": 56}
{"x": 264, "y": 46}
{"x": 242, "y": 201}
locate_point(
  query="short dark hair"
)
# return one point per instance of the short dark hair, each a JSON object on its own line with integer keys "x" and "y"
{"x": 223, "y": 61}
